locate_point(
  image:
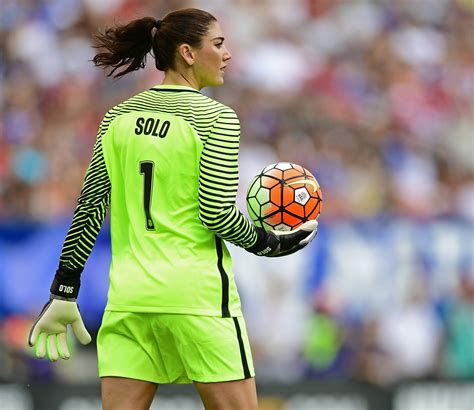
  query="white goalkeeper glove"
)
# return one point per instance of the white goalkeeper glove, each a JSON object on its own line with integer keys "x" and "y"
{"x": 49, "y": 332}
{"x": 282, "y": 243}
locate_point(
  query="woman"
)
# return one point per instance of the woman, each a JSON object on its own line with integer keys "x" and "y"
{"x": 166, "y": 159}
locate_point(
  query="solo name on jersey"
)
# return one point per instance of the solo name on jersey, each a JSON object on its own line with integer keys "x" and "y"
{"x": 152, "y": 126}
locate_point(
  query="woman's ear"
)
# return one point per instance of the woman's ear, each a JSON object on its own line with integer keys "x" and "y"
{"x": 186, "y": 52}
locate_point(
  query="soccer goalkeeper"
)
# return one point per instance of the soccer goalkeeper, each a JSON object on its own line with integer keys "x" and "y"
{"x": 166, "y": 159}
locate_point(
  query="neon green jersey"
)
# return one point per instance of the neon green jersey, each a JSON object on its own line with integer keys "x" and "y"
{"x": 166, "y": 161}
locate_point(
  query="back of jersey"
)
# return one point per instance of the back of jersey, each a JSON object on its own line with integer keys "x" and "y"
{"x": 163, "y": 258}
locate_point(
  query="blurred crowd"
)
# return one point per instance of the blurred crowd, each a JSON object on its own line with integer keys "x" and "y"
{"x": 375, "y": 97}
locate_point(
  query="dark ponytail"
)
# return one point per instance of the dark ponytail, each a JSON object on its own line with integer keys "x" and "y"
{"x": 129, "y": 45}
{"x": 125, "y": 45}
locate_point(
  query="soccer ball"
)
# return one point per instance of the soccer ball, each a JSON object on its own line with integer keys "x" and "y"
{"x": 283, "y": 196}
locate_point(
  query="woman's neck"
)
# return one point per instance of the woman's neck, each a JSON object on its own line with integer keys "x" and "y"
{"x": 173, "y": 77}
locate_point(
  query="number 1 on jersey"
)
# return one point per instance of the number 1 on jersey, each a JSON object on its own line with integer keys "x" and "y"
{"x": 146, "y": 169}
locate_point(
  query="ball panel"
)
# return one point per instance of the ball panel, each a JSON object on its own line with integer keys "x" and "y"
{"x": 291, "y": 220}
{"x": 268, "y": 209}
{"x": 267, "y": 226}
{"x": 253, "y": 186}
{"x": 302, "y": 196}
{"x": 253, "y": 207}
{"x": 282, "y": 227}
{"x": 260, "y": 224}
{"x": 313, "y": 208}
{"x": 269, "y": 181}
{"x": 263, "y": 195}
{"x": 276, "y": 195}
{"x": 314, "y": 214}
{"x": 296, "y": 209}
{"x": 283, "y": 165}
{"x": 274, "y": 219}
{"x": 274, "y": 172}
{"x": 288, "y": 195}
{"x": 268, "y": 168}
{"x": 292, "y": 174}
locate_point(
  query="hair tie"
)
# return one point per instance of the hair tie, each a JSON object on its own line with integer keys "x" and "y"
{"x": 157, "y": 24}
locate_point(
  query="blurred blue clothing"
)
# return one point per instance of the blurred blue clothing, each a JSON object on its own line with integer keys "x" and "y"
{"x": 29, "y": 255}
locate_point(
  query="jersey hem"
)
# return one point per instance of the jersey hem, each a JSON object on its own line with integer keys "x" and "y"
{"x": 147, "y": 378}
{"x": 171, "y": 310}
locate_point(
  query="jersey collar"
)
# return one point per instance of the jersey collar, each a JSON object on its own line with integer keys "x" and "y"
{"x": 176, "y": 88}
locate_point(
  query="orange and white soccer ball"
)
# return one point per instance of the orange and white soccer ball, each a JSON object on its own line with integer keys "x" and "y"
{"x": 283, "y": 196}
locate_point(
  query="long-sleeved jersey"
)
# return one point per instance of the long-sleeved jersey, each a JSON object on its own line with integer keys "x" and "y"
{"x": 165, "y": 161}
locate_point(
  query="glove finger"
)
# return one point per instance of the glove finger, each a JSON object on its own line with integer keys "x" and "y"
{"x": 308, "y": 239}
{"x": 40, "y": 349}
{"x": 51, "y": 348}
{"x": 81, "y": 332}
{"x": 62, "y": 347}
{"x": 288, "y": 242}
{"x": 33, "y": 335}
{"x": 289, "y": 252}
{"x": 305, "y": 230}
{"x": 310, "y": 226}
{"x": 35, "y": 329}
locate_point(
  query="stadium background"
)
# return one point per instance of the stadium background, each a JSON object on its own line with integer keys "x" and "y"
{"x": 376, "y": 98}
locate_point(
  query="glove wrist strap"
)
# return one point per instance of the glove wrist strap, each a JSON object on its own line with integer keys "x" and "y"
{"x": 261, "y": 243}
{"x": 266, "y": 243}
{"x": 65, "y": 289}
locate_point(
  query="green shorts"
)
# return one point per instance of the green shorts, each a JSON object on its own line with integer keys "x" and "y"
{"x": 173, "y": 348}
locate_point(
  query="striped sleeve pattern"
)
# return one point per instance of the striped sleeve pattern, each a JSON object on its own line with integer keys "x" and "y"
{"x": 218, "y": 183}
{"x": 218, "y": 128}
{"x": 90, "y": 212}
